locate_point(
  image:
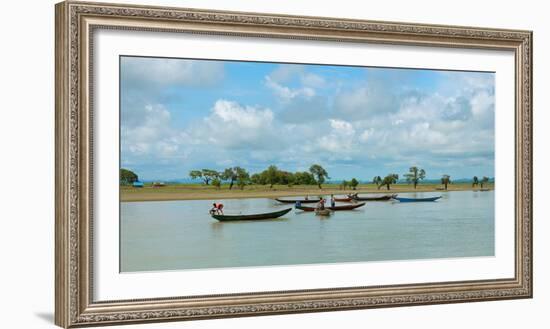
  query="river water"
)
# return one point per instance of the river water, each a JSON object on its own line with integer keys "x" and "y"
{"x": 176, "y": 235}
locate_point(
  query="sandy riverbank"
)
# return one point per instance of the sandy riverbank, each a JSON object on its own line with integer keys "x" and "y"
{"x": 201, "y": 192}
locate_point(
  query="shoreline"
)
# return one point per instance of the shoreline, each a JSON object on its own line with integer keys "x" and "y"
{"x": 183, "y": 192}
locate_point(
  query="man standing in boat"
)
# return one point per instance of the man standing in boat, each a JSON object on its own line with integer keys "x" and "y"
{"x": 332, "y": 201}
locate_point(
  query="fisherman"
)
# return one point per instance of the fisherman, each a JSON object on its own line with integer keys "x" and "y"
{"x": 332, "y": 201}
{"x": 214, "y": 209}
{"x": 321, "y": 204}
{"x": 217, "y": 208}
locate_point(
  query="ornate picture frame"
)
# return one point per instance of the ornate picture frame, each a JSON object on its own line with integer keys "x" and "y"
{"x": 75, "y": 24}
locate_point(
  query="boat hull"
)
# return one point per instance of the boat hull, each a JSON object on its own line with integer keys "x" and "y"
{"x": 418, "y": 200}
{"x": 375, "y": 198}
{"x": 271, "y": 215}
{"x": 301, "y": 201}
{"x": 336, "y": 208}
{"x": 343, "y": 199}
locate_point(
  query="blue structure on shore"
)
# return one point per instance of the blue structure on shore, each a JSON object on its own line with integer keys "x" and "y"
{"x": 137, "y": 184}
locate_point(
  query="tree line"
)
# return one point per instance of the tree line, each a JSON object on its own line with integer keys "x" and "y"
{"x": 415, "y": 175}
{"x": 317, "y": 175}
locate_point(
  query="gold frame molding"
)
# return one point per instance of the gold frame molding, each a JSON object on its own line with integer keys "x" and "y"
{"x": 75, "y": 23}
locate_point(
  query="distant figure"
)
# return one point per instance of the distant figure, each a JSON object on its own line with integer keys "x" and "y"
{"x": 214, "y": 209}
{"x": 217, "y": 208}
{"x": 307, "y": 197}
{"x": 298, "y": 204}
{"x": 321, "y": 204}
{"x": 332, "y": 201}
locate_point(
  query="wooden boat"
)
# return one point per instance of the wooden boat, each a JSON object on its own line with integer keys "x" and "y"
{"x": 335, "y": 208}
{"x": 418, "y": 199}
{"x": 269, "y": 215}
{"x": 301, "y": 201}
{"x": 346, "y": 199}
{"x": 323, "y": 212}
{"x": 372, "y": 198}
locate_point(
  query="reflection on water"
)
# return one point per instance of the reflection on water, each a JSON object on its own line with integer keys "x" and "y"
{"x": 169, "y": 235}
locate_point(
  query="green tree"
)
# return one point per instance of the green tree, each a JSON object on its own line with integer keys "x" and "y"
{"x": 377, "y": 180}
{"x": 243, "y": 177}
{"x": 415, "y": 175}
{"x": 354, "y": 182}
{"x": 257, "y": 179}
{"x": 344, "y": 185}
{"x": 286, "y": 178}
{"x": 319, "y": 173}
{"x": 195, "y": 174}
{"x": 484, "y": 181}
{"x": 127, "y": 177}
{"x": 389, "y": 180}
{"x": 446, "y": 180}
{"x": 231, "y": 175}
{"x": 271, "y": 175}
{"x": 205, "y": 174}
{"x": 303, "y": 178}
{"x": 217, "y": 183}
{"x": 475, "y": 181}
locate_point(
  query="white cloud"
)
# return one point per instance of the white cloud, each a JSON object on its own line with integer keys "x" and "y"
{"x": 159, "y": 72}
{"x": 340, "y": 139}
{"x": 342, "y": 127}
{"x": 366, "y": 135}
{"x": 151, "y": 134}
{"x": 286, "y": 93}
{"x": 313, "y": 80}
{"x": 296, "y": 91}
{"x": 367, "y": 124}
{"x": 234, "y": 126}
{"x": 244, "y": 117}
{"x": 366, "y": 100}
{"x": 285, "y": 73}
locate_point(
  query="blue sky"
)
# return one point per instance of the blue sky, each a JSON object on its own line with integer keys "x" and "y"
{"x": 178, "y": 115}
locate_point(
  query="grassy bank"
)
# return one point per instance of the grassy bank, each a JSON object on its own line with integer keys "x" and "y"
{"x": 203, "y": 192}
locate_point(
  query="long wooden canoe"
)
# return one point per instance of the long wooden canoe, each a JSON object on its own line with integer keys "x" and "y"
{"x": 373, "y": 198}
{"x": 417, "y": 199}
{"x": 346, "y": 199}
{"x": 335, "y": 208}
{"x": 269, "y": 215}
{"x": 301, "y": 201}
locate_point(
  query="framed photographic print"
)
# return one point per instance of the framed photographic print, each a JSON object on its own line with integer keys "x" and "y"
{"x": 217, "y": 164}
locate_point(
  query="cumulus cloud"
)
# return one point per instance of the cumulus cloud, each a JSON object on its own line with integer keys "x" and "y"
{"x": 341, "y": 137}
{"x": 297, "y": 92}
{"x": 286, "y": 93}
{"x": 376, "y": 121}
{"x": 151, "y": 134}
{"x": 368, "y": 99}
{"x": 156, "y": 73}
{"x": 285, "y": 73}
{"x": 232, "y": 125}
{"x": 313, "y": 80}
